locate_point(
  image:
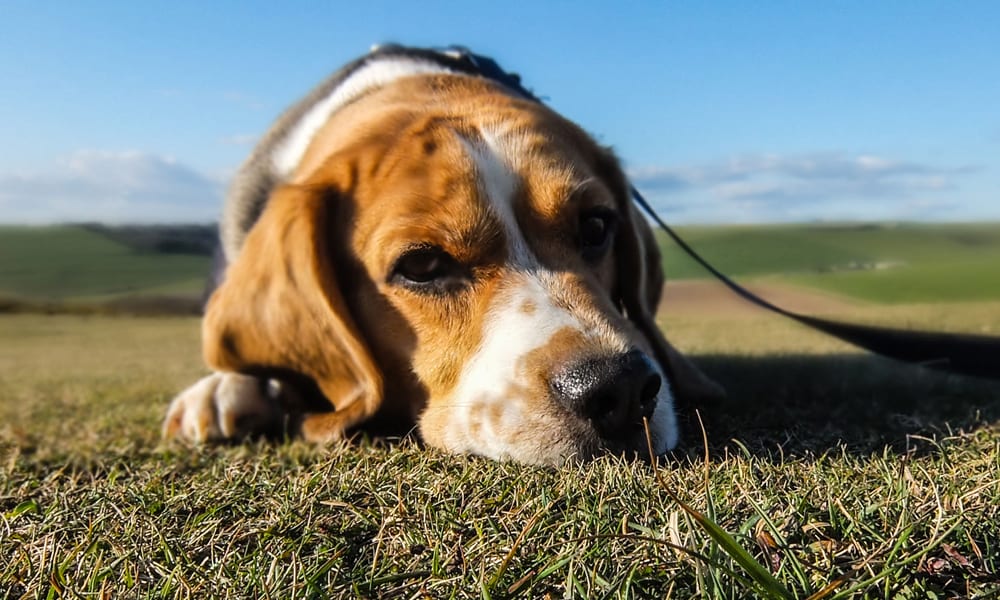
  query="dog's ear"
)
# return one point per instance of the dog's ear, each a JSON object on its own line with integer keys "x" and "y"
{"x": 639, "y": 287}
{"x": 280, "y": 308}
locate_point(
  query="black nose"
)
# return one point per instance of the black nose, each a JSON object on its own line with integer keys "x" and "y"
{"x": 614, "y": 392}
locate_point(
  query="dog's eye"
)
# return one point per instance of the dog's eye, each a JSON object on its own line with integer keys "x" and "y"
{"x": 428, "y": 269}
{"x": 597, "y": 228}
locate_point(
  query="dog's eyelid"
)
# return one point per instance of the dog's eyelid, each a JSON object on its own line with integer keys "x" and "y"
{"x": 428, "y": 268}
{"x": 420, "y": 247}
{"x": 601, "y": 211}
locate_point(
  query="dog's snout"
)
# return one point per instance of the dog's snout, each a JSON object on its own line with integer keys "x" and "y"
{"x": 613, "y": 392}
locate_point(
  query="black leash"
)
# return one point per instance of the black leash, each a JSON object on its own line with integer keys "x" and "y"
{"x": 968, "y": 354}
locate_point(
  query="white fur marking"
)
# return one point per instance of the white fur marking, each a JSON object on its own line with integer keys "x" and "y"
{"x": 663, "y": 428}
{"x": 378, "y": 73}
{"x": 496, "y": 165}
{"x": 492, "y": 372}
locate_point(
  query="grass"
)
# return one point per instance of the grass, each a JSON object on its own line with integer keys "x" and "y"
{"x": 828, "y": 467}
{"x": 83, "y": 265}
{"x": 69, "y": 262}
{"x": 879, "y": 263}
{"x": 972, "y": 278}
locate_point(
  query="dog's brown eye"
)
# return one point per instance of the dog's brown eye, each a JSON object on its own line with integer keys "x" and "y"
{"x": 596, "y": 231}
{"x": 428, "y": 269}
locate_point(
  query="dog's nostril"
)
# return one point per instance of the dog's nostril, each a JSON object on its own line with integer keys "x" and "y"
{"x": 647, "y": 397}
{"x": 600, "y": 406}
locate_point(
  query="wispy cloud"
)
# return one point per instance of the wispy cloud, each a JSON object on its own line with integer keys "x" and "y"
{"x": 114, "y": 187}
{"x": 806, "y": 186}
{"x": 243, "y": 99}
{"x": 239, "y": 139}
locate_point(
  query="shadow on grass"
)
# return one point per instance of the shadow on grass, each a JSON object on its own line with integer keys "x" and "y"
{"x": 803, "y": 406}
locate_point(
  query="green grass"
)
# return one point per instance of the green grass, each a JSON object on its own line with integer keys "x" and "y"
{"x": 920, "y": 263}
{"x": 828, "y": 471}
{"x": 915, "y": 263}
{"x": 826, "y": 466}
{"x": 972, "y": 278}
{"x": 71, "y": 262}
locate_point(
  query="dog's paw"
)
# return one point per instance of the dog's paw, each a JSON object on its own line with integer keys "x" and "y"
{"x": 225, "y": 406}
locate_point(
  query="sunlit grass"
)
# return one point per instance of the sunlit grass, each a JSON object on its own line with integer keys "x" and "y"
{"x": 836, "y": 473}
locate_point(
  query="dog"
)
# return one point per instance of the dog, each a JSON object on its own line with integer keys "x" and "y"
{"x": 418, "y": 244}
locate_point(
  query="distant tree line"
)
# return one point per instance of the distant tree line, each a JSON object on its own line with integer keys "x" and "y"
{"x": 199, "y": 240}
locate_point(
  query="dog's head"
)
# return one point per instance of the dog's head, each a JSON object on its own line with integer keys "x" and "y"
{"x": 447, "y": 253}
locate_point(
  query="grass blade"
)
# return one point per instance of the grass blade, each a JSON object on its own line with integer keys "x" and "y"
{"x": 768, "y": 584}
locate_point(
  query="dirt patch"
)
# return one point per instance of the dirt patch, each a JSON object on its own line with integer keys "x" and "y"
{"x": 709, "y": 297}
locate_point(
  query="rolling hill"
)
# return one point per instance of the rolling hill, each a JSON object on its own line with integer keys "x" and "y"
{"x": 77, "y": 262}
{"x": 877, "y": 262}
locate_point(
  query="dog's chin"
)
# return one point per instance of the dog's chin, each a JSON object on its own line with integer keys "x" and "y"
{"x": 549, "y": 434}
{"x": 635, "y": 448}
{"x": 581, "y": 444}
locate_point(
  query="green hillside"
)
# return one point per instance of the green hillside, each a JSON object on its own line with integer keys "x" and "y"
{"x": 74, "y": 262}
{"x": 883, "y": 263}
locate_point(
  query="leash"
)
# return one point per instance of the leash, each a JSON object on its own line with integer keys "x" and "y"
{"x": 966, "y": 354}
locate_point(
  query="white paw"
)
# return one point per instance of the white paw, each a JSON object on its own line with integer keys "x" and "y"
{"x": 224, "y": 406}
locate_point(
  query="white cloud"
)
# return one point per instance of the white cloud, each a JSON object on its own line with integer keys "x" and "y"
{"x": 136, "y": 187}
{"x": 828, "y": 185}
{"x": 112, "y": 187}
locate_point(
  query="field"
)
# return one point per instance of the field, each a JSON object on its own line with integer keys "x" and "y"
{"x": 880, "y": 263}
{"x": 840, "y": 473}
{"x": 82, "y": 263}
{"x": 876, "y": 263}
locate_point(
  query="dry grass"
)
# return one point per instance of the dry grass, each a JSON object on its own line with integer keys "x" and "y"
{"x": 827, "y": 465}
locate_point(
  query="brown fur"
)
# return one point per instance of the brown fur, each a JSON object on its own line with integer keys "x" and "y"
{"x": 310, "y": 293}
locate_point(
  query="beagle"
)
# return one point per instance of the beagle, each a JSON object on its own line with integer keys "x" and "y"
{"x": 414, "y": 244}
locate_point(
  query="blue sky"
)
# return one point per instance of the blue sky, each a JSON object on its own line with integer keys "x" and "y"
{"x": 721, "y": 112}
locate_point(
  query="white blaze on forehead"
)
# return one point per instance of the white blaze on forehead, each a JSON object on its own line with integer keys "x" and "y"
{"x": 378, "y": 73}
{"x": 496, "y": 158}
{"x": 492, "y": 378}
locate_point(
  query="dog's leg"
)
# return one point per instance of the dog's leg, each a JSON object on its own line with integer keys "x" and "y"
{"x": 227, "y": 406}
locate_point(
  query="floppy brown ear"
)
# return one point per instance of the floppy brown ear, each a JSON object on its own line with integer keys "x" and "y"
{"x": 640, "y": 285}
{"x": 280, "y": 307}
